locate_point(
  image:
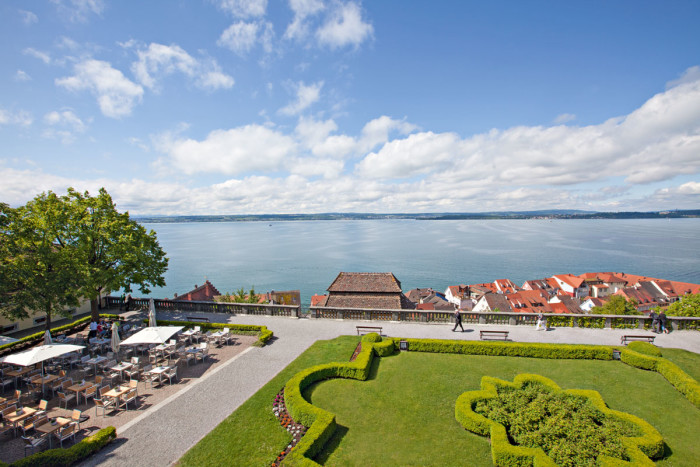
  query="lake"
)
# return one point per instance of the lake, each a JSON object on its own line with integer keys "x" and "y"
{"x": 308, "y": 255}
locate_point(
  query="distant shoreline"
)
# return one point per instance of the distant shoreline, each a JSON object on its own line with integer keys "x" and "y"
{"x": 545, "y": 215}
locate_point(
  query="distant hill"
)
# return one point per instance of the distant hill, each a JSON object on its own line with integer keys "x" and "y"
{"x": 548, "y": 214}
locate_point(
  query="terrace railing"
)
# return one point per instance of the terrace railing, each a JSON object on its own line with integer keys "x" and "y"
{"x": 186, "y": 306}
{"x": 502, "y": 318}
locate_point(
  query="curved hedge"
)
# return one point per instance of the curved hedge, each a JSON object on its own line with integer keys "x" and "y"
{"x": 264, "y": 334}
{"x": 639, "y": 448}
{"x": 646, "y": 348}
{"x": 64, "y": 457}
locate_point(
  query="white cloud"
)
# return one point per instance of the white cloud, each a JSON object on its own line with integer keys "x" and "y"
{"x": 28, "y": 17}
{"x": 299, "y": 28}
{"x": 344, "y": 27}
{"x": 690, "y": 75}
{"x": 63, "y": 125}
{"x": 43, "y": 56}
{"x": 305, "y": 97}
{"x": 21, "y": 76}
{"x": 244, "y": 8}
{"x": 235, "y": 151}
{"x": 116, "y": 95}
{"x": 564, "y": 118}
{"x": 239, "y": 37}
{"x": 159, "y": 60}
{"x": 78, "y": 11}
{"x": 21, "y": 117}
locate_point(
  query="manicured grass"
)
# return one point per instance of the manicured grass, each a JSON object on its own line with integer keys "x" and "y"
{"x": 405, "y": 414}
{"x": 687, "y": 361}
{"x": 252, "y": 435}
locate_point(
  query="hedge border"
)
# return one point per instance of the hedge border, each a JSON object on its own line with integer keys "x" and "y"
{"x": 59, "y": 457}
{"x": 639, "y": 449}
{"x": 33, "y": 339}
{"x": 264, "y": 334}
{"x": 322, "y": 423}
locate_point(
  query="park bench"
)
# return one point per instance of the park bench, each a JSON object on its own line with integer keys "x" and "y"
{"x": 503, "y": 335}
{"x": 626, "y": 339}
{"x": 198, "y": 318}
{"x": 365, "y": 329}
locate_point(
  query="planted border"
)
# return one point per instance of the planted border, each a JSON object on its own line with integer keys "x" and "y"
{"x": 322, "y": 423}
{"x": 64, "y": 457}
{"x": 33, "y": 339}
{"x": 639, "y": 449}
{"x": 264, "y": 334}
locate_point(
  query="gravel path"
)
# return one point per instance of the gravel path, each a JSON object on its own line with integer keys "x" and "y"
{"x": 161, "y": 435}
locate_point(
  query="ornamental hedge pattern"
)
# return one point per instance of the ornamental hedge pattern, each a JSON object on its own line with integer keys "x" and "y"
{"x": 625, "y": 435}
{"x": 321, "y": 423}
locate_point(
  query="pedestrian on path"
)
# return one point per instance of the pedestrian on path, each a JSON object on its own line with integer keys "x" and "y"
{"x": 662, "y": 322}
{"x": 541, "y": 323}
{"x": 458, "y": 321}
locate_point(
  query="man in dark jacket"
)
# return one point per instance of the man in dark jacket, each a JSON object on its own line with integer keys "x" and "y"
{"x": 654, "y": 321}
{"x": 458, "y": 321}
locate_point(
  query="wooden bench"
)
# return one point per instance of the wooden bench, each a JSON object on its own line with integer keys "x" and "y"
{"x": 503, "y": 335}
{"x": 197, "y": 318}
{"x": 361, "y": 329}
{"x": 626, "y": 339}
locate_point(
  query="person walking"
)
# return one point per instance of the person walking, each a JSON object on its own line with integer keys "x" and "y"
{"x": 127, "y": 302}
{"x": 93, "y": 330}
{"x": 541, "y": 323}
{"x": 662, "y": 322}
{"x": 458, "y": 321}
{"x": 654, "y": 321}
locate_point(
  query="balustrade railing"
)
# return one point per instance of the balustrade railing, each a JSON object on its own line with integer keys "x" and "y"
{"x": 185, "y": 306}
{"x": 502, "y": 318}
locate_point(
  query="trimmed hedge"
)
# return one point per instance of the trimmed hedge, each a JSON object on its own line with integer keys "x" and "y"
{"x": 64, "y": 457}
{"x": 33, "y": 339}
{"x": 680, "y": 380}
{"x": 649, "y": 444}
{"x": 646, "y": 348}
{"x": 264, "y": 334}
{"x": 322, "y": 423}
{"x": 510, "y": 349}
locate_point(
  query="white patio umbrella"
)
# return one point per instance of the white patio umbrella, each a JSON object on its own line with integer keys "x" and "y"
{"x": 47, "y": 338}
{"x": 152, "y": 313}
{"x": 115, "y": 338}
{"x": 152, "y": 335}
{"x": 40, "y": 354}
{"x": 7, "y": 340}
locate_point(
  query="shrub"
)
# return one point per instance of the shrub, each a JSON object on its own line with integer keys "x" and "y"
{"x": 645, "y": 348}
{"x": 372, "y": 337}
{"x": 72, "y": 455}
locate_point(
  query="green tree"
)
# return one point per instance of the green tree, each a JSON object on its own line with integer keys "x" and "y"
{"x": 617, "y": 305}
{"x": 116, "y": 252}
{"x": 688, "y": 305}
{"x": 39, "y": 265}
{"x": 252, "y": 296}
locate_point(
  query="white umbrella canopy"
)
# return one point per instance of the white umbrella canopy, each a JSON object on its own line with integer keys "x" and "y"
{"x": 115, "y": 338}
{"x": 152, "y": 313}
{"x": 152, "y": 335}
{"x": 47, "y": 338}
{"x": 39, "y": 354}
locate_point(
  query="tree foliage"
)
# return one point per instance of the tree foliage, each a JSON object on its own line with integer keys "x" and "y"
{"x": 240, "y": 296}
{"x": 56, "y": 250}
{"x": 617, "y": 305}
{"x": 38, "y": 263}
{"x": 688, "y": 305}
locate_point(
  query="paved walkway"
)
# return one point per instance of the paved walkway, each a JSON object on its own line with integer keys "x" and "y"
{"x": 165, "y": 432}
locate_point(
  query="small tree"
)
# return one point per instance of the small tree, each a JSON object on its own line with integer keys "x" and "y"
{"x": 252, "y": 296}
{"x": 617, "y": 305}
{"x": 39, "y": 265}
{"x": 688, "y": 305}
{"x": 116, "y": 252}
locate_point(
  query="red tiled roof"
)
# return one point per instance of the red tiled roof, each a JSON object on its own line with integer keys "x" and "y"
{"x": 202, "y": 293}
{"x": 318, "y": 300}
{"x": 382, "y": 282}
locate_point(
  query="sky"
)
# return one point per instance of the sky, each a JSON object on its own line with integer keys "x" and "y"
{"x": 310, "y": 106}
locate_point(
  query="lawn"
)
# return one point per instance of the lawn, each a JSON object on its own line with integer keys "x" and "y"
{"x": 404, "y": 414}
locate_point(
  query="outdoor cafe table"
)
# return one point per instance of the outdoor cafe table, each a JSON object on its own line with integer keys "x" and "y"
{"x": 78, "y": 388}
{"x": 162, "y": 348}
{"x": 189, "y": 333}
{"x": 100, "y": 342}
{"x": 121, "y": 367}
{"x": 21, "y": 414}
{"x": 96, "y": 360}
{"x": 45, "y": 380}
{"x": 117, "y": 393}
{"x": 50, "y": 428}
{"x": 159, "y": 370}
{"x": 16, "y": 374}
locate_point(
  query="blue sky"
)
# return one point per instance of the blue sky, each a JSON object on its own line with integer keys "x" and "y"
{"x": 307, "y": 106}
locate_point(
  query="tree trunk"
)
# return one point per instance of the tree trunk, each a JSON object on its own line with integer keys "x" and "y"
{"x": 94, "y": 309}
{"x": 48, "y": 322}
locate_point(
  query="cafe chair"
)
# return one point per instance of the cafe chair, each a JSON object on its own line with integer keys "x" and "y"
{"x": 66, "y": 433}
{"x": 64, "y": 398}
{"x": 33, "y": 442}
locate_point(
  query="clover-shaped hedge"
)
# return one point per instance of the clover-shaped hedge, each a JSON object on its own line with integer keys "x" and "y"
{"x": 532, "y": 421}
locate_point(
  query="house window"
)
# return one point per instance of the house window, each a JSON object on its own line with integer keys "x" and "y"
{"x": 8, "y": 328}
{"x": 40, "y": 320}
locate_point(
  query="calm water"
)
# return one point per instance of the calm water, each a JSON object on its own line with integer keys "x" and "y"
{"x": 307, "y": 255}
